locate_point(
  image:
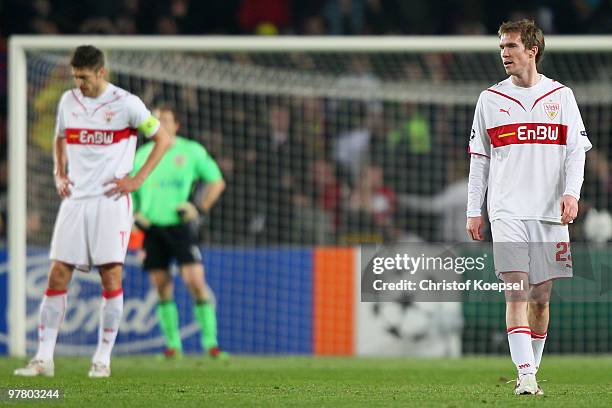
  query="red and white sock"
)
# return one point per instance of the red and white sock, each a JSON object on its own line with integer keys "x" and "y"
{"x": 537, "y": 344}
{"x": 52, "y": 310}
{"x": 110, "y": 318}
{"x": 519, "y": 338}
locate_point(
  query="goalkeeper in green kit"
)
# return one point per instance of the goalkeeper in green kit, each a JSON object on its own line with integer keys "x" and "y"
{"x": 163, "y": 211}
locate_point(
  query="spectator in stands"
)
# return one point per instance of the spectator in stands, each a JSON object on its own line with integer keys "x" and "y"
{"x": 449, "y": 204}
{"x": 381, "y": 17}
{"x": 256, "y": 13}
{"x": 328, "y": 194}
{"x": 353, "y": 145}
{"x": 372, "y": 206}
{"x": 373, "y": 196}
{"x": 314, "y": 25}
{"x": 98, "y": 25}
{"x": 345, "y": 17}
{"x": 601, "y": 21}
{"x": 167, "y": 25}
{"x": 277, "y": 152}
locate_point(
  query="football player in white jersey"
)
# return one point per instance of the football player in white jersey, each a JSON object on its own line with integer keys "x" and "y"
{"x": 95, "y": 141}
{"x": 527, "y": 146}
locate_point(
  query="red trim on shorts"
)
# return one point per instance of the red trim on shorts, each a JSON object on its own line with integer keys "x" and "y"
{"x": 129, "y": 203}
{"x": 53, "y": 292}
{"x": 107, "y": 294}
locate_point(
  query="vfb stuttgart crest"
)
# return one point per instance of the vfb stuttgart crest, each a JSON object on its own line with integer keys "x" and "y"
{"x": 552, "y": 109}
{"x": 109, "y": 114}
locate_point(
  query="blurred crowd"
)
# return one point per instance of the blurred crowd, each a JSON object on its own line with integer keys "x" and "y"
{"x": 315, "y": 170}
{"x": 308, "y": 170}
{"x": 313, "y": 17}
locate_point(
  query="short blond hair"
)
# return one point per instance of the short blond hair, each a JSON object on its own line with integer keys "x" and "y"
{"x": 531, "y": 34}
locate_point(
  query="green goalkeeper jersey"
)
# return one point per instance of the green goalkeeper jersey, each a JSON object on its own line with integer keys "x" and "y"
{"x": 171, "y": 182}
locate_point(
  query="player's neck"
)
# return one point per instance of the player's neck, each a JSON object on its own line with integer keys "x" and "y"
{"x": 101, "y": 89}
{"x": 526, "y": 79}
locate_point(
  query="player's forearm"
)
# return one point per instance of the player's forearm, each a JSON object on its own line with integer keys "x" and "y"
{"x": 574, "y": 172}
{"x": 212, "y": 194}
{"x": 477, "y": 184}
{"x": 162, "y": 143}
{"x": 60, "y": 158}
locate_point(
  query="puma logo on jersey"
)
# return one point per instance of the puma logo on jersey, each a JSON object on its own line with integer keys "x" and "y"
{"x": 505, "y": 111}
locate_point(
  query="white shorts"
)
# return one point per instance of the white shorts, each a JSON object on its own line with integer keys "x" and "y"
{"x": 92, "y": 231}
{"x": 537, "y": 247}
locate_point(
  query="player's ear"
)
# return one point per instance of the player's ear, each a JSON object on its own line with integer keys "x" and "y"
{"x": 534, "y": 51}
{"x": 102, "y": 72}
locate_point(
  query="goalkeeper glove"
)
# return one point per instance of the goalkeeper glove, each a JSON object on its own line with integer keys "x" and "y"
{"x": 141, "y": 222}
{"x": 188, "y": 211}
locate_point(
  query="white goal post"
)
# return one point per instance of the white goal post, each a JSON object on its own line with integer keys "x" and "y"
{"x": 18, "y": 106}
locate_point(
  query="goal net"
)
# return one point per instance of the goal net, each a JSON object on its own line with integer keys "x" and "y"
{"x": 319, "y": 148}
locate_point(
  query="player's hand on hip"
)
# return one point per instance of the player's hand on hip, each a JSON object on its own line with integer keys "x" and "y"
{"x": 122, "y": 186}
{"x": 187, "y": 211}
{"x": 474, "y": 228}
{"x": 62, "y": 185}
{"x": 569, "y": 209}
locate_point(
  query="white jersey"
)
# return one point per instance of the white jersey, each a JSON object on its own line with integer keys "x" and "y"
{"x": 101, "y": 135}
{"x": 526, "y": 133}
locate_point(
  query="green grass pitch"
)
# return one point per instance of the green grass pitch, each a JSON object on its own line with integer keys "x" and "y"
{"x": 320, "y": 382}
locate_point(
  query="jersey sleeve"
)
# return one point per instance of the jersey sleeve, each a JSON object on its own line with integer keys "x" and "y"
{"x": 60, "y": 124}
{"x": 479, "y": 138}
{"x": 206, "y": 166}
{"x": 576, "y": 132}
{"x": 140, "y": 117}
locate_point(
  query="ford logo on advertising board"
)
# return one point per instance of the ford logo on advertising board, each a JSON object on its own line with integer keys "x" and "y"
{"x": 138, "y": 333}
